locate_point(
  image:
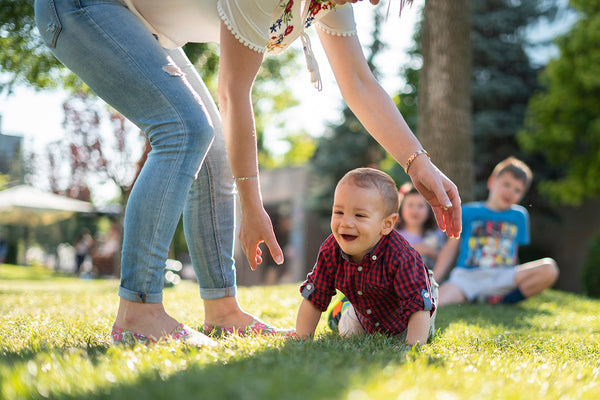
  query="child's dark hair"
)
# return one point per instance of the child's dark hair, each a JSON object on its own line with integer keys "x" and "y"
{"x": 516, "y": 167}
{"x": 406, "y": 190}
{"x": 374, "y": 178}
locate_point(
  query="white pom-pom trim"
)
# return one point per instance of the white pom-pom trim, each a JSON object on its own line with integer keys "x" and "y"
{"x": 335, "y": 33}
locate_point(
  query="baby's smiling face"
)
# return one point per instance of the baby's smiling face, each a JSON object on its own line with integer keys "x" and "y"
{"x": 358, "y": 219}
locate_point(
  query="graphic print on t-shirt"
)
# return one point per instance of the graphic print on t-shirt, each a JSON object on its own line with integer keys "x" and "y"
{"x": 491, "y": 244}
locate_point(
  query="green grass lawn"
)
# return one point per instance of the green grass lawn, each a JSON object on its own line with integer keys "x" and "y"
{"x": 54, "y": 343}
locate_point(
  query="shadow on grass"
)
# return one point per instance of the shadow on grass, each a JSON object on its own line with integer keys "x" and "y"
{"x": 519, "y": 316}
{"x": 328, "y": 368}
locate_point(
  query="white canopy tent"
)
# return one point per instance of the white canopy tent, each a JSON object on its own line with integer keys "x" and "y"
{"x": 30, "y": 206}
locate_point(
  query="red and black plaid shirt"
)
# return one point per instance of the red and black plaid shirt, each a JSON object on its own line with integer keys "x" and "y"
{"x": 389, "y": 285}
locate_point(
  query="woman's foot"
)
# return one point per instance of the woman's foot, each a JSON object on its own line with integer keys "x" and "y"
{"x": 257, "y": 327}
{"x": 181, "y": 333}
{"x": 226, "y": 316}
{"x": 150, "y": 323}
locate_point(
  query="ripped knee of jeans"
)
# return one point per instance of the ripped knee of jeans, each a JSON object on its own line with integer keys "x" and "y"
{"x": 172, "y": 69}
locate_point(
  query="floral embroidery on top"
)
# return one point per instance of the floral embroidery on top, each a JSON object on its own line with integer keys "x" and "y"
{"x": 287, "y": 12}
{"x": 282, "y": 27}
{"x": 315, "y": 7}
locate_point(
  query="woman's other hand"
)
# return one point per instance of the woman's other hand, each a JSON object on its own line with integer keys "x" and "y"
{"x": 256, "y": 228}
{"x": 440, "y": 192}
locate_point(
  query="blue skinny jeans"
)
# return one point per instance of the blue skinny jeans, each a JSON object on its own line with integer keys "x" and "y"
{"x": 187, "y": 171}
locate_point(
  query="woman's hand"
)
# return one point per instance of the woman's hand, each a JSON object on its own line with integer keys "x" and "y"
{"x": 256, "y": 228}
{"x": 440, "y": 192}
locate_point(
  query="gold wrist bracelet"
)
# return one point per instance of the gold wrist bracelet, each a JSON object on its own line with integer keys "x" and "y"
{"x": 244, "y": 178}
{"x": 414, "y": 156}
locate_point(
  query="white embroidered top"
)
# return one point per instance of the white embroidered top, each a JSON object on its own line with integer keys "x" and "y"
{"x": 263, "y": 25}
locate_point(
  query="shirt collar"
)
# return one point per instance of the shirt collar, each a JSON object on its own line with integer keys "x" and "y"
{"x": 373, "y": 254}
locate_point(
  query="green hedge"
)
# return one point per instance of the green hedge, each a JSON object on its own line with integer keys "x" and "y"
{"x": 590, "y": 277}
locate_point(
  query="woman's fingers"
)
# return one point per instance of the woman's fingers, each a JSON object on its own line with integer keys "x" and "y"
{"x": 442, "y": 195}
{"x": 254, "y": 253}
{"x": 449, "y": 219}
{"x": 275, "y": 249}
{"x": 254, "y": 230}
{"x": 456, "y": 216}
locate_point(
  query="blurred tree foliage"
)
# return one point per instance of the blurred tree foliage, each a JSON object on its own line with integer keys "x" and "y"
{"x": 25, "y": 60}
{"x": 23, "y": 55}
{"x": 563, "y": 120}
{"x": 4, "y": 179}
{"x": 504, "y": 79}
{"x": 300, "y": 148}
{"x": 590, "y": 276}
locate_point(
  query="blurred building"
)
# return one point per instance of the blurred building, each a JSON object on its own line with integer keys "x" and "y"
{"x": 10, "y": 149}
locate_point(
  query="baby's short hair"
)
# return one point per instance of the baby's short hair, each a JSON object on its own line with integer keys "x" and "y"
{"x": 516, "y": 167}
{"x": 371, "y": 178}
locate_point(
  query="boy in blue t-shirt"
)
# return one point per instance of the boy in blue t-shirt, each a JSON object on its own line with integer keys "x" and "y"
{"x": 487, "y": 268}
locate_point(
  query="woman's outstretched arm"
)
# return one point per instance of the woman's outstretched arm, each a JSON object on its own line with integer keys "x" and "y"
{"x": 380, "y": 116}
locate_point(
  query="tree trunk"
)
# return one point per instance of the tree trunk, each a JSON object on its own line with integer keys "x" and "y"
{"x": 444, "y": 120}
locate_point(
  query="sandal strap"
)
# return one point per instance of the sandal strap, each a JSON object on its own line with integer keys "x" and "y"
{"x": 181, "y": 333}
{"x": 257, "y": 327}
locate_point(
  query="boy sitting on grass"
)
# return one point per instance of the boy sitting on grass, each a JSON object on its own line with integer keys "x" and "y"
{"x": 487, "y": 268}
{"x": 381, "y": 275}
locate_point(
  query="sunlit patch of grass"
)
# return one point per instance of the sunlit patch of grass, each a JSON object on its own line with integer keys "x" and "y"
{"x": 54, "y": 343}
{"x": 16, "y": 272}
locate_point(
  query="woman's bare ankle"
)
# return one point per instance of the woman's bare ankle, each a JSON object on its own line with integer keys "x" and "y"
{"x": 226, "y": 313}
{"x": 149, "y": 319}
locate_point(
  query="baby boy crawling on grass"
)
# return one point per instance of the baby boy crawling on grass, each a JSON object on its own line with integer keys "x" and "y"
{"x": 384, "y": 280}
